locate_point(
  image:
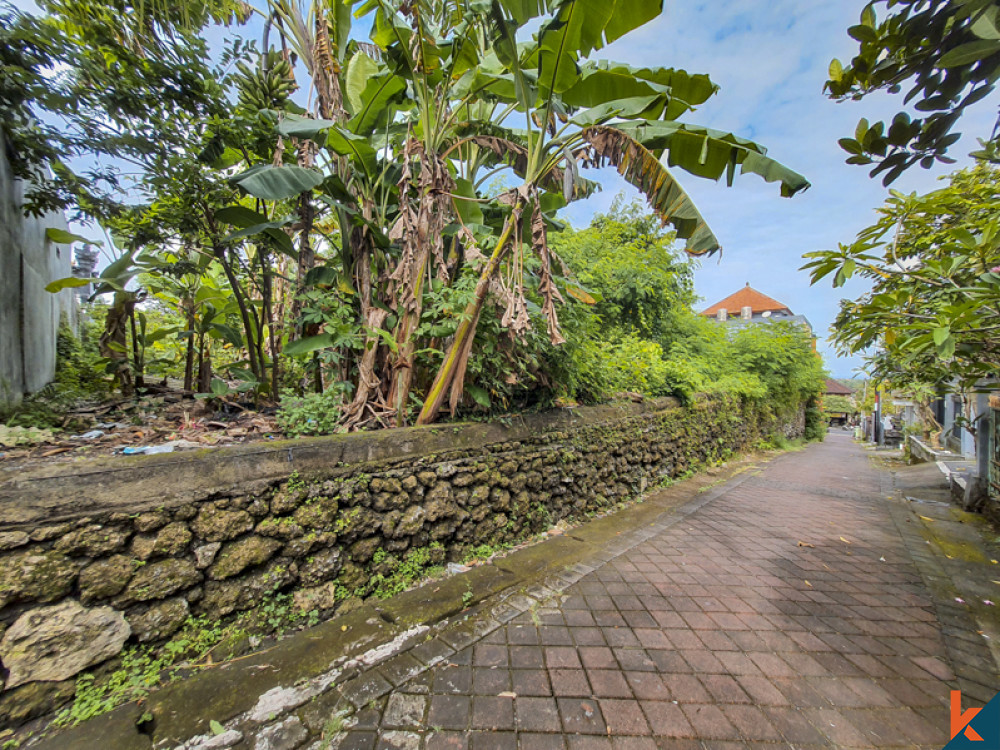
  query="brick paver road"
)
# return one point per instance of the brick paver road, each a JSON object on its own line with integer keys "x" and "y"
{"x": 787, "y": 612}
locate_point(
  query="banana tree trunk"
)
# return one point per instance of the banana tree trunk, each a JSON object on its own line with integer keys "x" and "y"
{"x": 402, "y": 378}
{"x": 189, "y": 355}
{"x": 307, "y": 256}
{"x": 454, "y": 361}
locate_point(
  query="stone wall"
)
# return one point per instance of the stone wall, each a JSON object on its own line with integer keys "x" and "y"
{"x": 113, "y": 557}
{"x": 29, "y": 316}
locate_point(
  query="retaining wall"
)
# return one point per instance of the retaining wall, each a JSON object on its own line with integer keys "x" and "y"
{"x": 97, "y": 556}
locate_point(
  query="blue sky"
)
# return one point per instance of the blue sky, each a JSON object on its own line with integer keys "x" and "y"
{"x": 770, "y": 59}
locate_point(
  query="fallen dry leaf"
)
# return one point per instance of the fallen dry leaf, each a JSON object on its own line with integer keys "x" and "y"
{"x": 809, "y": 584}
{"x": 845, "y": 541}
{"x": 806, "y": 544}
{"x": 925, "y": 518}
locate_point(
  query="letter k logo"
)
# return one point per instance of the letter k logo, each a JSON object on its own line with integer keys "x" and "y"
{"x": 960, "y": 721}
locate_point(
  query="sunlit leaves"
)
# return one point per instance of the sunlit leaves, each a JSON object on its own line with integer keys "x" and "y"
{"x": 947, "y": 54}
{"x": 933, "y": 262}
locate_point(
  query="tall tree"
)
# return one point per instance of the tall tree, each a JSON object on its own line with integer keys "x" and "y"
{"x": 933, "y": 312}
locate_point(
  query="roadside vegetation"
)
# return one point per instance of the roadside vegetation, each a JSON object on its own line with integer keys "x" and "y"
{"x": 635, "y": 335}
{"x": 364, "y": 233}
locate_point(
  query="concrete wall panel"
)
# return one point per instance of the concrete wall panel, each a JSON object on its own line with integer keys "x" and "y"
{"x": 29, "y": 315}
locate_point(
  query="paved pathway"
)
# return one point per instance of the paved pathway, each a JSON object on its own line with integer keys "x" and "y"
{"x": 787, "y": 612}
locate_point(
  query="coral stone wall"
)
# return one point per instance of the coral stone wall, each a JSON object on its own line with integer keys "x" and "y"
{"x": 73, "y": 593}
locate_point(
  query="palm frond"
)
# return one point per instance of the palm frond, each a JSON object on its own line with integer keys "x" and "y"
{"x": 643, "y": 170}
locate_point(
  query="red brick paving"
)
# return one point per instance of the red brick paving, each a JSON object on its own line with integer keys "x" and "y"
{"x": 786, "y": 612}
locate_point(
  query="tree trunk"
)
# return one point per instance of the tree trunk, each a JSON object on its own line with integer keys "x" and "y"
{"x": 402, "y": 376}
{"x": 137, "y": 365}
{"x": 453, "y": 361}
{"x": 248, "y": 332}
{"x": 307, "y": 256}
{"x": 189, "y": 355}
{"x": 113, "y": 341}
{"x": 273, "y": 342}
{"x": 219, "y": 252}
{"x": 205, "y": 373}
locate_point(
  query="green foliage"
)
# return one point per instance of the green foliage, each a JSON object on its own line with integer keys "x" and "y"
{"x": 779, "y": 443}
{"x": 311, "y": 413}
{"x": 295, "y": 482}
{"x": 603, "y": 368}
{"x": 277, "y": 613}
{"x": 485, "y": 551}
{"x": 400, "y": 574}
{"x": 839, "y": 404}
{"x": 780, "y": 355}
{"x": 372, "y": 262}
{"x": 933, "y": 262}
{"x": 815, "y": 423}
{"x": 640, "y": 334}
{"x": 947, "y": 54}
{"x": 626, "y": 262}
{"x": 142, "y": 669}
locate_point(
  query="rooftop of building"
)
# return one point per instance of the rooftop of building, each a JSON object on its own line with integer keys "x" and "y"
{"x": 758, "y": 303}
{"x": 836, "y": 388}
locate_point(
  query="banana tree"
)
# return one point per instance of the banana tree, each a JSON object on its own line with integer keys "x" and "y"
{"x": 430, "y": 46}
{"x": 318, "y": 34}
{"x": 430, "y": 115}
{"x": 579, "y": 114}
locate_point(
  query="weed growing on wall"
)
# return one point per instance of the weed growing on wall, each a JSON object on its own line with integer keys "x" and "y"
{"x": 402, "y": 574}
{"x": 143, "y": 668}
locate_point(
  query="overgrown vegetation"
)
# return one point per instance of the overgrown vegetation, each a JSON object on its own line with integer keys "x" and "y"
{"x": 630, "y": 330}
{"x": 640, "y": 334}
{"x": 144, "y": 668}
{"x": 201, "y": 642}
{"x": 374, "y": 221}
{"x": 929, "y": 323}
{"x": 394, "y": 576}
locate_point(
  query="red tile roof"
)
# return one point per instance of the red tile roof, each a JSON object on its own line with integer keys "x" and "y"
{"x": 833, "y": 388}
{"x": 747, "y": 296}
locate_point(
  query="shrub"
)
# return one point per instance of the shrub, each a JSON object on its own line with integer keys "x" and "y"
{"x": 310, "y": 414}
{"x": 815, "y": 423}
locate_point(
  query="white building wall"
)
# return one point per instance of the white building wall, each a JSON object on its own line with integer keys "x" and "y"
{"x": 29, "y": 316}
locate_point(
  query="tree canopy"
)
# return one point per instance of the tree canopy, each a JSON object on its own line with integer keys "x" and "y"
{"x": 945, "y": 54}
{"x": 933, "y": 262}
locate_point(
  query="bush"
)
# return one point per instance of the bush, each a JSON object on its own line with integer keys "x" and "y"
{"x": 597, "y": 370}
{"x": 311, "y": 414}
{"x": 815, "y": 423}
